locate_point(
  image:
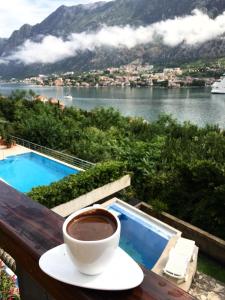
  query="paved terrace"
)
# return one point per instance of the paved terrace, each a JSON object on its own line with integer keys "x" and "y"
{"x": 15, "y": 150}
{"x": 207, "y": 288}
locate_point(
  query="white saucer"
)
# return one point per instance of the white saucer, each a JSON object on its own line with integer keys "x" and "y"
{"x": 123, "y": 272}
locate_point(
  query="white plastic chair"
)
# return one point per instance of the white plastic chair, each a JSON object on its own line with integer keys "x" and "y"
{"x": 179, "y": 258}
{"x": 176, "y": 266}
{"x": 185, "y": 247}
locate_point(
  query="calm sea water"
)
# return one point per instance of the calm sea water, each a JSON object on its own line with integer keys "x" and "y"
{"x": 197, "y": 105}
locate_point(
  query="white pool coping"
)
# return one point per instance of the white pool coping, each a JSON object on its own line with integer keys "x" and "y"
{"x": 18, "y": 149}
{"x": 145, "y": 217}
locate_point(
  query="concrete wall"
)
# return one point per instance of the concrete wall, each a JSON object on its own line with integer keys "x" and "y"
{"x": 92, "y": 197}
{"x": 208, "y": 243}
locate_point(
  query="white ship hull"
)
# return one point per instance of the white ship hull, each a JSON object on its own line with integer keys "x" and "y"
{"x": 215, "y": 91}
{"x": 218, "y": 87}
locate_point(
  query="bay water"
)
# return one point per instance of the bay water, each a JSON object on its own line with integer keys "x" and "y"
{"x": 196, "y": 105}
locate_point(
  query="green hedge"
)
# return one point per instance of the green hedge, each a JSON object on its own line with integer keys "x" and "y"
{"x": 76, "y": 185}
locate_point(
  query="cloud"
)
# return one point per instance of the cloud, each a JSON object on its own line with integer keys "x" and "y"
{"x": 3, "y": 61}
{"x": 192, "y": 29}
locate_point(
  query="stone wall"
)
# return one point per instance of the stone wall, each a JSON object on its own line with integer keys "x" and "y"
{"x": 208, "y": 243}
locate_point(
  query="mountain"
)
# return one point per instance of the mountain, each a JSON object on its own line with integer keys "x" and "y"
{"x": 2, "y": 42}
{"x": 88, "y": 18}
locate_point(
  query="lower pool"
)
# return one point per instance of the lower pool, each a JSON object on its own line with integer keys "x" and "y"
{"x": 142, "y": 240}
{"x": 25, "y": 171}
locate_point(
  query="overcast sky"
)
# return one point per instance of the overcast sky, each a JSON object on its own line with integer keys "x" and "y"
{"x": 15, "y": 13}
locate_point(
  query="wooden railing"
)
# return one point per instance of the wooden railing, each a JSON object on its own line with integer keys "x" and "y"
{"x": 28, "y": 229}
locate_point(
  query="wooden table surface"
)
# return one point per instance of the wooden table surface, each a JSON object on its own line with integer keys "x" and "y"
{"x": 28, "y": 229}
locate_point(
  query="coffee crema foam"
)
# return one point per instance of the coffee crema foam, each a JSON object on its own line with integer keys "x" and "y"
{"x": 93, "y": 225}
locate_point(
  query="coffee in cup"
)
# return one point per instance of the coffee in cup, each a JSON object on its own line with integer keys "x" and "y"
{"x": 91, "y": 236}
{"x": 93, "y": 225}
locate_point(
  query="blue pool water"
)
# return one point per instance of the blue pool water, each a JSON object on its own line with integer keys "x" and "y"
{"x": 143, "y": 241}
{"x": 25, "y": 171}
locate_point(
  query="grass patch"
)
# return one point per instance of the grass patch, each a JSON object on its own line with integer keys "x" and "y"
{"x": 210, "y": 267}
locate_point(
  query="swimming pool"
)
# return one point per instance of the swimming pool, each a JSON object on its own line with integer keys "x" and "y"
{"x": 25, "y": 171}
{"x": 142, "y": 239}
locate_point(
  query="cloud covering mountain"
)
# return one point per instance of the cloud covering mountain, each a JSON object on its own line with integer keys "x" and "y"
{"x": 116, "y": 32}
{"x": 192, "y": 30}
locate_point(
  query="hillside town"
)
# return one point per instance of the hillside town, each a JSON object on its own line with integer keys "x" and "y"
{"x": 131, "y": 75}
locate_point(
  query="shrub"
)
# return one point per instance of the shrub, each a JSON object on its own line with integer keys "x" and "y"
{"x": 76, "y": 185}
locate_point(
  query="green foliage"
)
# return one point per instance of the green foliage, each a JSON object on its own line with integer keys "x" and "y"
{"x": 193, "y": 191}
{"x": 210, "y": 267}
{"x": 213, "y": 68}
{"x": 74, "y": 186}
{"x": 159, "y": 206}
{"x": 179, "y": 167}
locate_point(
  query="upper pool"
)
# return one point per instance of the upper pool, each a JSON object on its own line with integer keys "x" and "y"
{"x": 25, "y": 171}
{"x": 143, "y": 239}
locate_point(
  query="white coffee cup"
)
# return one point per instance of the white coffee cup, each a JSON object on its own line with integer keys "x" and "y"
{"x": 91, "y": 257}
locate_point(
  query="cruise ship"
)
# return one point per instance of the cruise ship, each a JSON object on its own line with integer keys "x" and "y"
{"x": 218, "y": 87}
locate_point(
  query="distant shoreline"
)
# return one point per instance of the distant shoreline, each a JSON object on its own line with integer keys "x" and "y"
{"x": 104, "y": 87}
